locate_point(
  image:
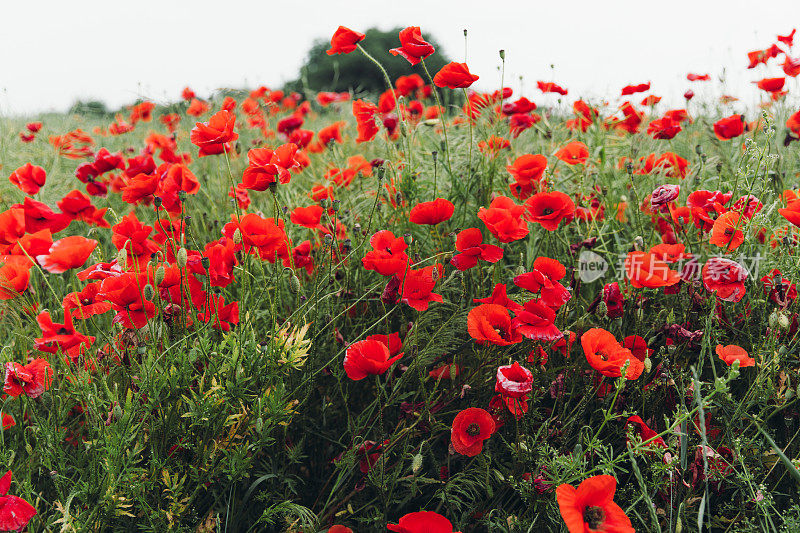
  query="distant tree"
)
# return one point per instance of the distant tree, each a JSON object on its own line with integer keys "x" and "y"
{"x": 353, "y": 71}
{"x": 92, "y": 107}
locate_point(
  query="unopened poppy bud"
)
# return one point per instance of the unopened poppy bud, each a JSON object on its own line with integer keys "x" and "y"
{"x": 187, "y": 220}
{"x": 398, "y": 198}
{"x": 237, "y": 236}
{"x": 206, "y": 262}
{"x": 122, "y": 258}
{"x": 380, "y": 171}
{"x": 141, "y": 348}
{"x": 160, "y": 273}
{"x": 465, "y": 32}
{"x": 117, "y": 412}
{"x": 408, "y": 239}
{"x": 294, "y": 284}
{"x": 648, "y": 364}
{"x": 324, "y": 203}
{"x": 629, "y": 167}
{"x": 157, "y": 201}
{"x": 335, "y": 205}
{"x": 503, "y": 55}
{"x": 734, "y": 372}
{"x": 181, "y": 257}
{"x": 148, "y": 292}
{"x": 182, "y": 196}
{"x": 435, "y": 155}
{"x": 328, "y": 239}
{"x": 602, "y": 309}
{"x": 273, "y": 187}
{"x": 403, "y": 129}
{"x": 773, "y": 319}
{"x": 679, "y": 526}
{"x": 259, "y": 424}
{"x": 783, "y": 321}
{"x": 416, "y": 463}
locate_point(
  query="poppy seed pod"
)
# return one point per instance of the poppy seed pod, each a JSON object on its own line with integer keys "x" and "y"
{"x": 408, "y": 239}
{"x": 157, "y": 201}
{"x": 503, "y": 55}
{"x": 206, "y": 262}
{"x": 181, "y": 258}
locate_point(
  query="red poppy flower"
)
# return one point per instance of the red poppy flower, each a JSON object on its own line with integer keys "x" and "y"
{"x": 308, "y": 217}
{"x": 732, "y": 352}
{"x": 504, "y": 220}
{"x": 387, "y": 256}
{"x": 28, "y": 178}
{"x": 646, "y": 270}
{"x": 336, "y": 528}
{"x": 455, "y": 76}
{"x": 725, "y": 277}
{"x": 650, "y": 100}
{"x": 520, "y": 122}
{"x": 514, "y": 381}
{"x": 470, "y": 243}
{"x": 549, "y": 208}
{"x": 83, "y": 304}
{"x": 368, "y": 357}
{"x": 549, "y": 87}
{"x": 422, "y": 522}
{"x": 664, "y": 128}
{"x": 645, "y": 433}
{"x": 500, "y": 297}
{"x": 267, "y": 166}
{"x": 791, "y": 212}
{"x": 344, "y": 41}
{"x": 212, "y": 136}
{"x": 126, "y": 295}
{"x": 62, "y": 337}
{"x": 14, "y": 275}
{"x": 331, "y": 133}
{"x": 418, "y": 286}
{"x": 131, "y": 234}
{"x": 260, "y": 236}
{"x": 31, "y": 379}
{"x": 729, "y": 127}
{"x": 727, "y": 231}
{"x": 39, "y": 216}
{"x": 771, "y": 85}
{"x": 79, "y": 207}
{"x": 67, "y": 253}
{"x": 535, "y": 321}
{"x": 574, "y": 153}
{"x": 527, "y": 171}
{"x": 491, "y": 324}
{"x": 432, "y": 213}
{"x": 633, "y": 89}
{"x": 15, "y": 513}
{"x": 608, "y": 356}
{"x": 365, "y": 120}
{"x": 615, "y": 302}
{"x": 412, "y": 46}
{"x": 470, "y": 428}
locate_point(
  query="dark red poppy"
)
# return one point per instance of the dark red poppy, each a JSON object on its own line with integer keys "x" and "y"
{"x": 470, "y": 428}
{"x": 455, "y": 76}
{"x": 514, "y": 381}
{"x": 412, "y": 46}
{"x": 664, "y": 128}
{"x": 725, "y": 277}
{"x": 615, "y": 302}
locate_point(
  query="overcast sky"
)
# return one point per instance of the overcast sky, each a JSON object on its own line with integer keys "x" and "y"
{"x": 55, "y": 52}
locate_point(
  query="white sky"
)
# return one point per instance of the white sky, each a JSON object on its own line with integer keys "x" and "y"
{"x": 54, "y": 52}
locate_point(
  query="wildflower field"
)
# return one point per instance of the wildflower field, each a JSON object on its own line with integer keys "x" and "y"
{"x": 429, "y": 310}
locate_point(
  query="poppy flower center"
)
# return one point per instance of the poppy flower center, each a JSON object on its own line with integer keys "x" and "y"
{"x": 547, "y": 211}
{"x": 728, "y": 232}
{"x": 594, "y": 517}
{"x": 63, "y": 331}
{"x": 603, "y": 355}
{"x": 473, "y": 429}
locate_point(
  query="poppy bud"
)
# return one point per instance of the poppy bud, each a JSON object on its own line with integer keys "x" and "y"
{"x": 122, "y": 258}
{"x": 503, "y": 55}
{"x": 783, "y": 321}
{"x": 259, "y": 424}
{"x": 773, "y": 319}
{"x": 160, "y": 273}
{"x": 324, "y": 203}
{"x": 602, "y": 309}
{"x": 403, "y": 129}
{"x": 416, "y": 463}
{"x": 381, "y": 170}
{"x": 273, "y": 187}
{"x": 237, "y": 236}
{"x": 157, "y": 201}
{"x": 328, "y": 239}
{"x": 398, "y": 198}
{"x": 408, "y": 239}
{"x": 181, "y": 258}
{"x": 335, "y": 205}
{"x": 465, "y": 32}
{"x": 117, "y": 412}
{"x": 629, "y": 167}
{"x": 206, "y": 262}
{"x": 148, "y": 292}
{"x": 141, "y": 348}
{"x": 435, "y": 155}
{"x": 182, "y": 196}
{"x": 294, "y": 284}
{"x": 648, "y": 364}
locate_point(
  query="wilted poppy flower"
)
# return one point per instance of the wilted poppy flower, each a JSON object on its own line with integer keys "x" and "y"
{"x": 514, "y": 381}
{"x": 470, "y": 243}
{"x": 67, "y": 253}
{"x": 504, "y": 220}
{"x": 608, "y": 356}
{"x": 646, "y": 270}
{"x": 491, "y": 324}
{"x": 729, "y": 127}
{"x": 422, "y": 522}
{"x": 388, "y": 256}
{"x": 432, "y": 213}
{"x": 31, "y": 379}
{"x": 549, "y": 209}
{"x": 15, "y": 513}
{"x": 455, "y": 76}
{"x": 632, "y": 89}
{"x": 412, "y": 46}
{"x": 470, "y": 428}
{"x": 344, "y": 41}
{"x": 28, "y": 178}
{"x": 368, "y": 357}
{"x": 732, "y": 352}
{"x": 591, "y": 507}
{"x": 417, "y": 286}
{"x": 725, "y": 277}
{"x": 615, "y": 302}
{"x": 689, "y": 94}
{"x": 697, "y": 77}
{"x": 365, "y": 120}
{"x": 574, "y": 153}
{"x": 535, "y": 321}
{"x": 212, "y": 136}
{"x": 727, "y": 231}
{"x": 664, "y": 194}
